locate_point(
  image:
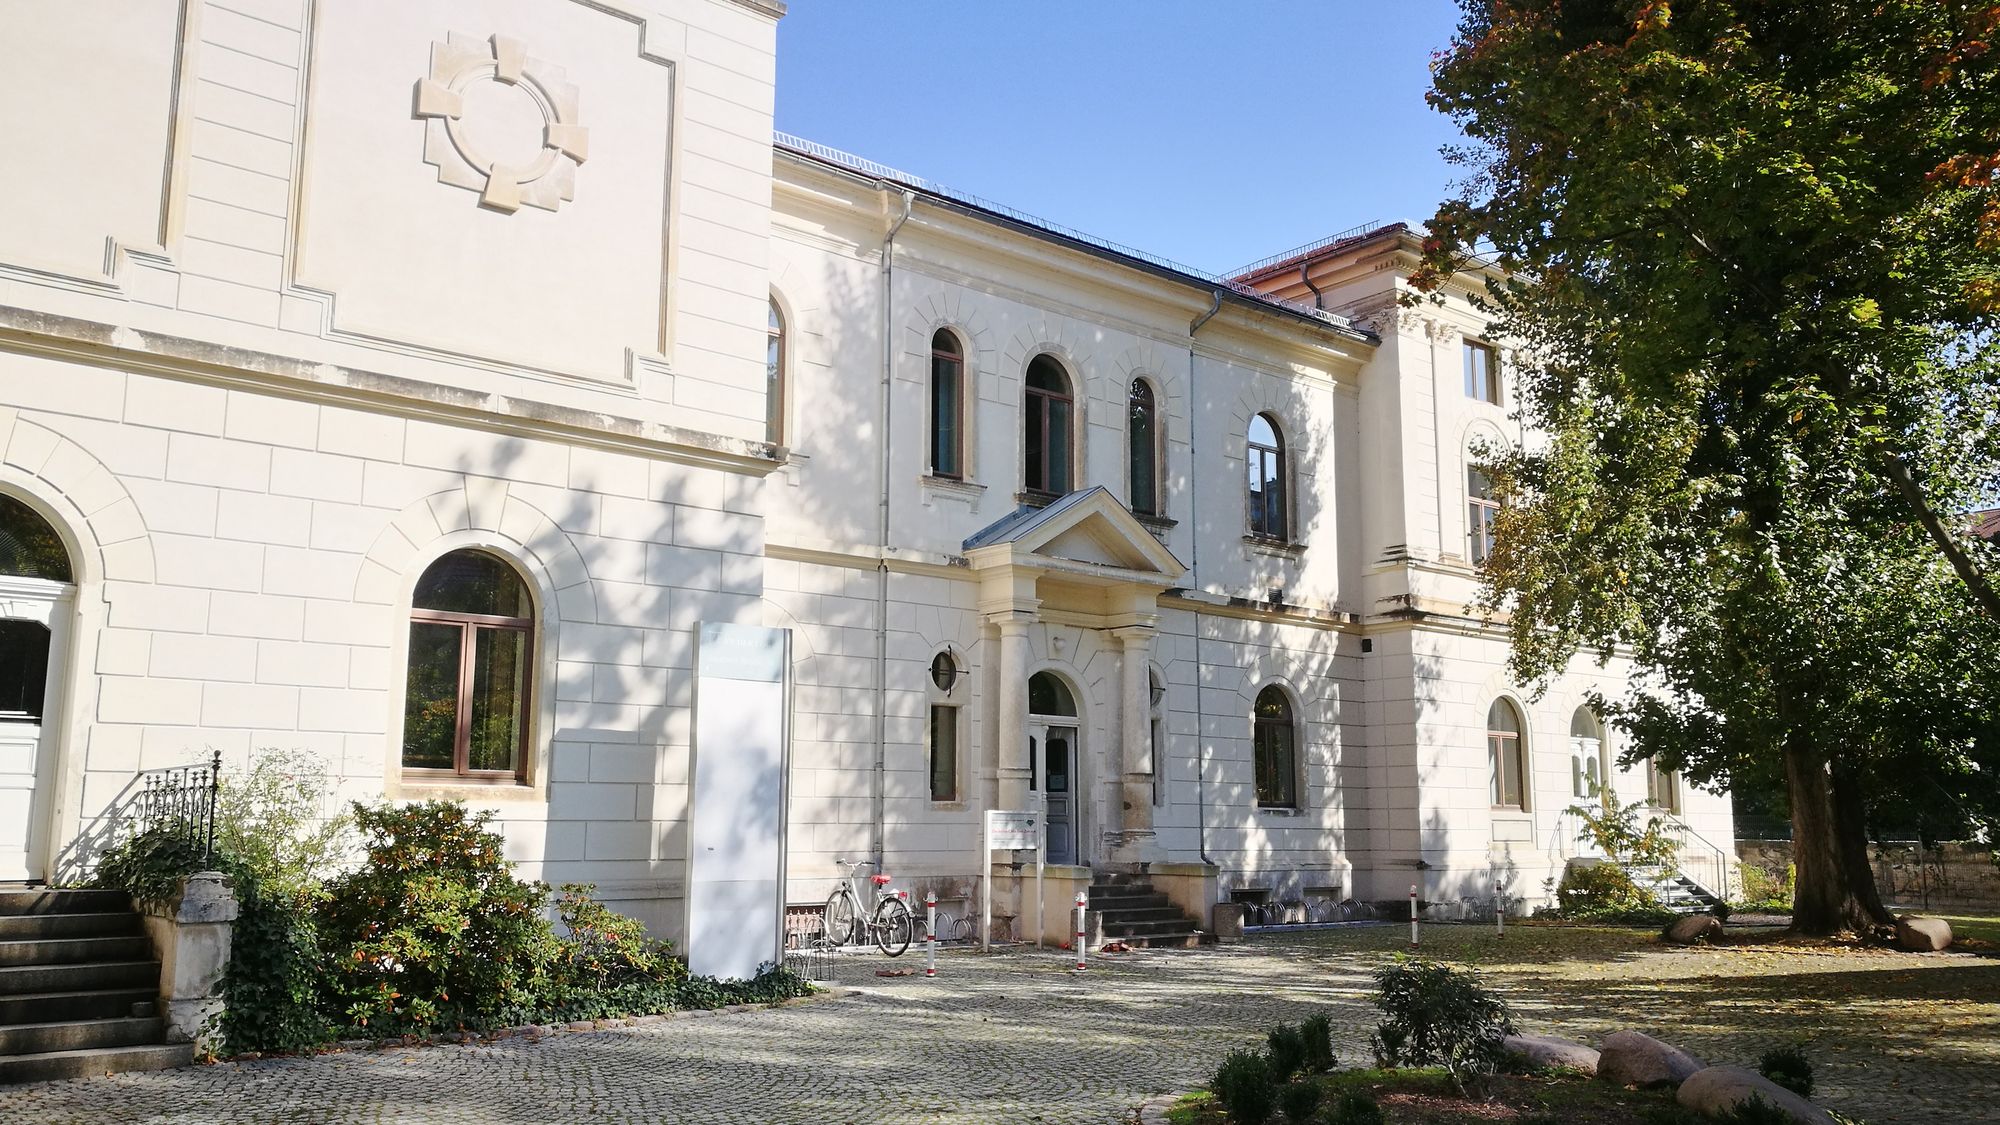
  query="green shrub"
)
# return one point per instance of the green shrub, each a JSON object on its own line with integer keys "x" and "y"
{"x": 1763, "y": 891}
{"x": 433, "y": 930}
{"x": 1355, "y": 1107}
{"x": 1435, "y": 1015}
{"x": 1788, "y": 1067}
{"x": 1603, "y": 892}
{"x": 271, "y": 817}
{"x": 601, "y": 947}
{"x": 1299, "y": 1100}
{"x": 1754, "y": 1111}
{"x": 1245, "y": 1087}
{"x": 1317, "y": 1031}
{"x": 1287, "y": 1051}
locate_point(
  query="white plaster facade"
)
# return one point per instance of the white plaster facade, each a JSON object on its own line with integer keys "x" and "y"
{"x": 299, "y": 296}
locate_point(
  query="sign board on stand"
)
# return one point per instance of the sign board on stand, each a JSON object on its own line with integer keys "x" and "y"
{"x": 736, "y": 810}
{"x": 1010, "y": 831}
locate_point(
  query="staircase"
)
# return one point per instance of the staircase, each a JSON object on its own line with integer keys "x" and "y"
{"x": 1126, "y": 908}
{"x": 1676, "y": 891}
{"x": 79, "y": 988}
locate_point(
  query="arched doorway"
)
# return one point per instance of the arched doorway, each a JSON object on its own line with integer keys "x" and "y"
{"x": 1052, "y": 762}
{"x": 36, "y": 589}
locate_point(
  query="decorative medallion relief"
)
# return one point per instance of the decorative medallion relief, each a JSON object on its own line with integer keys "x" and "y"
{"x": 501, "y": 123}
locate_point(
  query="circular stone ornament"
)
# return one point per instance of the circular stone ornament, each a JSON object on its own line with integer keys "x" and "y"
{"x": 501, "y": 123}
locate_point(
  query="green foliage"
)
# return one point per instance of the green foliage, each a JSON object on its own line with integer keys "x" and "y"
{"x": 1605, "y": 892}
{"x": 1316, "y": 1031}
{"x": 1754, "y": 1111}
{"x": 1763, "y": 891}
{"x": 272, "y": 819}
{"x": 150, "y": 865}
{"x": 1286, "y": 1049}
{"x": 433, "y": 930}
{"x": 1355, "y": 1107}
{"x": 1750, "y": 253}
{"x": 1435, "y": 1015}
{"x": 1246, "y": 1087}
{"x": 1788, "y": 1067}
{"x": 1299, "y": 1100}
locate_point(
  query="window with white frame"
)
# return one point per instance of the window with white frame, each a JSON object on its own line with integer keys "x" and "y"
{"x": 1586, "y": 755}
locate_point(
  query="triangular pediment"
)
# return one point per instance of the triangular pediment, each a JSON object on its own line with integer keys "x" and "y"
{"x": 1088, "y": 529}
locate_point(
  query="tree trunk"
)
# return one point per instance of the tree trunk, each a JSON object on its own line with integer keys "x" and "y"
{"x": 1830, "y": 894}
{"x": 1850, "y": 825}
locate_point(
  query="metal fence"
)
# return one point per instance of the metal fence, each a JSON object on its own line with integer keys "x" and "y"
{"x": 180, "y": 799}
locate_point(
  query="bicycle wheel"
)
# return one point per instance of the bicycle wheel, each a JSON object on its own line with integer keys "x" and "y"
{"x": 893, "y": 926}
{"x": 838, "y": 923}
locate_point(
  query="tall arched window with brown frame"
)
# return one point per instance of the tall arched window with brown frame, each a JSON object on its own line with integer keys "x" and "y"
{"x": 774, "y": 376}
{"x": 1142, "y": 441}
{"x": 1048, "y": 429}
{"x": 1503, "y": 749}
{"x": 1270, "y": 512}
{"x": 947, "y": 405}
{"x": 472, "y": 643}
{"x": 1274, "y": 750}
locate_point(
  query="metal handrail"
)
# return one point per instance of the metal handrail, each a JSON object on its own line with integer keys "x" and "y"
{"x": 181, "y": 798}
{"x": 1685, "y": 830}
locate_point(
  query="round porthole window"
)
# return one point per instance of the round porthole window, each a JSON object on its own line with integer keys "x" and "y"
{"x": 944, "y": 671}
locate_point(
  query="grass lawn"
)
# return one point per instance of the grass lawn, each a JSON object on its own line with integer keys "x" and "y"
{"x": 1425, "y": 1097}
{"x": 1986, "y": 929}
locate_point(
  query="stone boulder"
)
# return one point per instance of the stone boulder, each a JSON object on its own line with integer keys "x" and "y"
{"x": 1630, "y": 1058}
{"x": 1717, "y": 1090}
{"x": 1692, "y": 928}
{"x": 1922, "y": 935}
{"x": 1537, "y": 1052}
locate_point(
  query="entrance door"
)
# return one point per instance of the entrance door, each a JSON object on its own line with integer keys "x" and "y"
{"x": 1058, "y": 776}
{"x": 36, "y": 597}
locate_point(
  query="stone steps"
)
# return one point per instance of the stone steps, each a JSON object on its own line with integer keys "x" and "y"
{"x": 1124, "y": 907}
{"x": 79, "y": 988}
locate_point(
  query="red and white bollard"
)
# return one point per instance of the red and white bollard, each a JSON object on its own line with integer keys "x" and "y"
{"x": 930, "y": 933}
{"x": 1082, "y": 903}
{"x": 1499, "y": 911}
{"x": 1413, "y": 915}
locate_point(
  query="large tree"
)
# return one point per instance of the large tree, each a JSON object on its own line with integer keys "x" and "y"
{"x": 1752, "y": 257}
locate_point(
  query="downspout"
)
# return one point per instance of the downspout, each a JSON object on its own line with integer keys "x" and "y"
{"x": 882, "y": 532}
{"x": 1319, "y": 301}
{"x": 1194, "y": 566}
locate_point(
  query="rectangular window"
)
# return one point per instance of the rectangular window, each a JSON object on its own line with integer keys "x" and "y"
{"x": 944, "y": 753}
{"x": 1481, "y": 510}
{"x": 1663, "y": 789}
{"x": 1505, "y": 751}
{"x": 1482, "y": 372}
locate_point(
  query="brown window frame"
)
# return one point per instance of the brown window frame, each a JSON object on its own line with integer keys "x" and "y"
{"x": 1153, "y": 450}
{"x": 955, "y": 357}
{"x": 1481, "y": 514}
{"x": 468, "y": 655}
{"x": 1504, "y": 747}
{"x": 1491, "y": 391}
{"x": 776, "y": 381}
{"x": 1284, "y": 781}
{"x": 1271, "y": 458}
{"x": 1048, "y": 398}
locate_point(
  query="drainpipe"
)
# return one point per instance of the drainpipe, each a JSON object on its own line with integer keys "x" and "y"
{"x": 909, "y": 200}
{"x": 1319, "y": 301}
{"x": 1194, "y": 565}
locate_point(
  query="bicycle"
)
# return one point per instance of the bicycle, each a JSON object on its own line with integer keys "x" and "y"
{"x": 891, "y": 925}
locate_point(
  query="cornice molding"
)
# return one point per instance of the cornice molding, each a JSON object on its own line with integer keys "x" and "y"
{"x": 28, "y": 332}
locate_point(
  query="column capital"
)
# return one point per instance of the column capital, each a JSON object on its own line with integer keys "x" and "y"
{"x": 1135, "y": 636}
{"x": 1010, "y": 621}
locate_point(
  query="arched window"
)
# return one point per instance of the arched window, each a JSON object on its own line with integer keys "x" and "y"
{"x": 1481, "y": 510}
{"x": 947, "y": 406}
{"x": 944, "y": 727}
{"x": 1503, "y": 748}
{"x": 1142, "y": 450}
{"x": 1274, "y": 750}
{"x": 1048, "y": 695}
{"x": 1586, "y": 754}
{"x": 1047, "y": 425}
{"x": 774, "y": 377}
{"x": 472, "y": 638}
{"x": 29, "y": 548}
{"x": 1268, "y": 512}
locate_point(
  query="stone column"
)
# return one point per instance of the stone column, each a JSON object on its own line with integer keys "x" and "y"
{"x": 1011, "y": 749}
{"x": 191, "y": 933}
{"x": 1135, "y": 646}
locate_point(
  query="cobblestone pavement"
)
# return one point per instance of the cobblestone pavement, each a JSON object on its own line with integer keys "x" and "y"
{"x": 1015, "y": 1038}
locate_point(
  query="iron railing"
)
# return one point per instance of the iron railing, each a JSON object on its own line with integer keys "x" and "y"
{"x": 180, "y": 799}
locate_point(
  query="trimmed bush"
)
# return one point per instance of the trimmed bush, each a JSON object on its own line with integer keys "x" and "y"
{"x": 1788, "y": 1067}
{"x": 1245, "y": 1087}
{"x": 1755, "y": 1111}
{"x": 1317, "y": 1031}
{"x": 1355, "y": 1108}
{"x": 1435, "y": 1015}
{"x": 1287, "y": 1051}
{"x": 1299, "y": 1100}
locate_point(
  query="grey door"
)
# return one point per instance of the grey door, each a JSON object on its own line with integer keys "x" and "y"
{"x": 1058, "y": 777}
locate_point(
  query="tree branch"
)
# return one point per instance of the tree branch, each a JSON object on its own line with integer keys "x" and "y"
{"x": 1913, "y": 495}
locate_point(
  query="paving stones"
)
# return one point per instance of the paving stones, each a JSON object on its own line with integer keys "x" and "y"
{"x": 1017, "y": 1037}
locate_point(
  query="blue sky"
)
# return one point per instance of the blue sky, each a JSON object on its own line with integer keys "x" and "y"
{"x": 1213, "y": 133}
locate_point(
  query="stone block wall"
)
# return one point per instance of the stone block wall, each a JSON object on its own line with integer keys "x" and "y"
{"x": 1953, "y": 875}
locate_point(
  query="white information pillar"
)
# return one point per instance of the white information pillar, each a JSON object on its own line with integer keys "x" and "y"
{"x": 1006, "y": 831}
{"x": 736, "y": 810}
